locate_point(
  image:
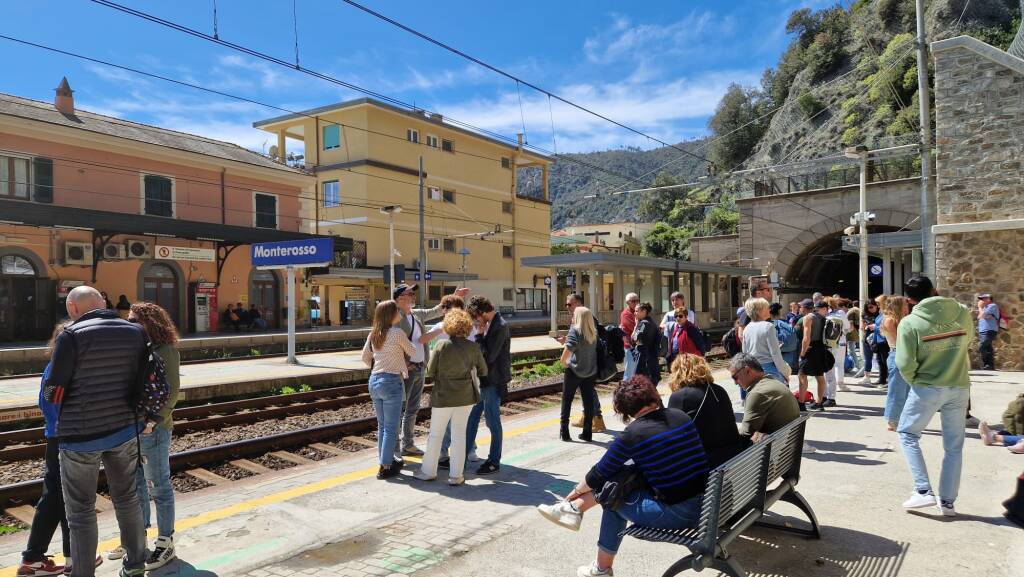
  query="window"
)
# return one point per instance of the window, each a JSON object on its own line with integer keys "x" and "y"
{"x": 531, "y": 299}
{"x": 449, "y": 196}
{"x": 434, "y": 292}
{"x": 506, "y": 251}
{"x": 14, "y": 177}
{"x": 447, "y": 145}
{"x": 431, "y": 141}
{"x": 449, "y": 245}
{"x": 433, "y": 193}
{"x": 412, "y": 135}
{"x": 332, "y": 193}
{"x": 14, "y": 265}
{"x": 265, "y": 210}
{"x": 506, "y": 207}
{"x": 506, "y": 162}
{"x": 159, "y": 196}
{"x": 434, "y": 243}
{"x": 506, "y": 294}
{"x": 332, "y": 137}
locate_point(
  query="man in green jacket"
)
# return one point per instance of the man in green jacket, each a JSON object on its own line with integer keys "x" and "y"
{"x": 769, "y": 404}
{"x": 931, "y": 353}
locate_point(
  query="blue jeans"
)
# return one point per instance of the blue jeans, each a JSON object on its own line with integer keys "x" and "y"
{"x": 896, "y": 396}
{"x": 1011, "y": 440}
{"x": 155, "y": 478}
{"x": 792, "y": 359}
{"x": 630, "y": 369}
{"x": 922, "y": 404}
{"x": 642, "y": 508}
{"x": 490, "y": 407}
{"x": 771, "y": 369}
{"x": 387, "y": 390}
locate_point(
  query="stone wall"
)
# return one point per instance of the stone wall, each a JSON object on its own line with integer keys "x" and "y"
{"x": 715, "y": 249}
{"x": 979, "y": 241}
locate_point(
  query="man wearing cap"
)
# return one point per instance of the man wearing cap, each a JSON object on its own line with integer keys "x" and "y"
{"x": 412, "y": 325}
{"x": 988, "y": 329}
{"x": 815, "y": 358}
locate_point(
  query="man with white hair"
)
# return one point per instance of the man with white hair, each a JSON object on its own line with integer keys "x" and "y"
{"x": 96, "y": 373}
{"x": 627, "y": 322}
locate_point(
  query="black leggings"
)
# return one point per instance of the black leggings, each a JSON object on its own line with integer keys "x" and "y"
{"x": 49, "y": 510}
{"x": 882, "y": 354}
{"x": 570, "y": 383}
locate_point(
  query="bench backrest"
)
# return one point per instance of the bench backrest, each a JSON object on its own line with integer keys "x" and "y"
{"x": 737, "y": 489}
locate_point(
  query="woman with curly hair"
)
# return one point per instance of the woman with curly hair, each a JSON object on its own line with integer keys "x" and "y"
{"x": 455, "y": 366}
{"x": 669, "y": 459}
{"x": 695, "y": 393}
{"x": 154, "y": 478}
{"x": 894, "y": 308}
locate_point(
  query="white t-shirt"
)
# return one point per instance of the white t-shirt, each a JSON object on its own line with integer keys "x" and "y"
{"x": 415, "y": 338}
{"x": 841, "y": 314}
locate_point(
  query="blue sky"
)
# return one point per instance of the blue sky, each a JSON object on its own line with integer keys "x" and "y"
{"x": 659, "y": 66}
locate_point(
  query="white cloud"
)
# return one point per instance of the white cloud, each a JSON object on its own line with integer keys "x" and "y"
{"x": 267, "y": 76}
{"x": 693, "y": 34}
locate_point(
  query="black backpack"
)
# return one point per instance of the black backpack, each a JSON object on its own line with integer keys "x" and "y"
{"x": 613, "y": 336}
{"x": 731, "y": 343}
{"x": 154, "y": 391}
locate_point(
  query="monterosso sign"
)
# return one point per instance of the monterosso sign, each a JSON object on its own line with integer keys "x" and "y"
{"x": 317, "y": 251}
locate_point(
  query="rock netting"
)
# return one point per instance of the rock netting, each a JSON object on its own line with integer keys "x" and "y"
{"x": 979, "y": 117}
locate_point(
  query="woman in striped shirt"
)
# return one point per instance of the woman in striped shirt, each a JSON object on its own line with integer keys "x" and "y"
{"x": 386, "y": 352}
{"x": 665, "y": 449}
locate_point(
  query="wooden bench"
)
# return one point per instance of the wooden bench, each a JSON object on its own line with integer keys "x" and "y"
{"x": 738, "y": 494}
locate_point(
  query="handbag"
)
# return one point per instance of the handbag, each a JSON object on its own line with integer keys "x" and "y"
{"x": 615, "y": 490}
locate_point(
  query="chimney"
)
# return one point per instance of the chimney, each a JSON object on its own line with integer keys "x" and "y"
{"x": 64, "y": 101}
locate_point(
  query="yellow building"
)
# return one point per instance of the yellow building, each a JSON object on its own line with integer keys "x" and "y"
{"x": 366, "y": 155}
{"x": 616, "y": 237}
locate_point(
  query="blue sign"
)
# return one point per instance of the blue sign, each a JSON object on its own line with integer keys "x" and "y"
{"x": 428, "y": 275}
{"x": 415, "y": 276}
{"x": 293, "y": 253}
{"x": 875, "y": 270}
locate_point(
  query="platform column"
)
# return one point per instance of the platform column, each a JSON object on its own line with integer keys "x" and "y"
{"x": 553, "y": 301}
{"x": 291, "y": 315}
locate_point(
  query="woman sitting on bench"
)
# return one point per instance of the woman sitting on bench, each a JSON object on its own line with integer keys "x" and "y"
{"x": 662, "y": 489}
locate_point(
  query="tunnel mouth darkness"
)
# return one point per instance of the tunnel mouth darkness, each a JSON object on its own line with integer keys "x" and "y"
{"x": 825, "y": 267}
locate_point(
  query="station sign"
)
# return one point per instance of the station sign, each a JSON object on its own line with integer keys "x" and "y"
{"x": 309, "y": 252}
{"x": 425, "y": 276}
{"x": 185, "y": 253}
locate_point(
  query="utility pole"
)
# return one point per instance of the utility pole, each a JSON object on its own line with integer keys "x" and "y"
{"x": 423, "y": 250}
{"x": 927, "y": 199}
{"x": 391, "y": 210}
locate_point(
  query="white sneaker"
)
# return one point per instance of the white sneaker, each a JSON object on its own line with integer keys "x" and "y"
{"x": 844, "y": 388}
{"x": 809, "y": 449}
{"x": 917, "y": 500}
{"x": 592, "y": 570}
{"x": 471, "y": 457}
{"x": 116, "y": 553}
{"x": 456, "y": 481}
{"x": 162, "y": 554}
{"x": 562, "y": 513}
{"x": 423, "y": 476}
{"x": 946, "y": 508}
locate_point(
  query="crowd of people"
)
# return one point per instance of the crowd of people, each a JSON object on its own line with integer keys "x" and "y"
{"x": 919, "y": 342}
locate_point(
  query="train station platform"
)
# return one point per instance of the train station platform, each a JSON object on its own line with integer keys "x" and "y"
{"x": 333, "y": 519}
{"x": 215, "y": 379}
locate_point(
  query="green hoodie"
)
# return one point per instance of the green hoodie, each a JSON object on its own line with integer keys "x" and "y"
{"x": 932, "y": 343}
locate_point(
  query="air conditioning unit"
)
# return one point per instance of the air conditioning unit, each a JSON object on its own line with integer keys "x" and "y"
{"x": 139, "y": 249}
{"x": 79, "y": 253}
{"x": 114, "y": 251}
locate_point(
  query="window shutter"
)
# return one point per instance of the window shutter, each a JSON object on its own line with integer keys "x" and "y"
{"x": 43, "y": 180}
{"x": 332, "y": 137}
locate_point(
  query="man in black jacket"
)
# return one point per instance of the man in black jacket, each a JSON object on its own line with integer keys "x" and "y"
{"x": 96, "y": 372}
{"x": 496, "y": 344}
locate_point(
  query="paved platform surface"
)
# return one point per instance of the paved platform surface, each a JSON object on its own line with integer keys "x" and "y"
{"x": 334, "y": 519}
{"x": 19, "y": 397}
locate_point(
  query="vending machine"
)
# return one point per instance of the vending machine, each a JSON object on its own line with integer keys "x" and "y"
{"x": 205, "y": 307}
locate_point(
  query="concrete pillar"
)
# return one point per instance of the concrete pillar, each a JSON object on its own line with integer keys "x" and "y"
{"x": 281, "y": 152}
{"x": 620, "y": 292}
{"x": 656, "y": 297}
{"x": 593, "y": 288}
{"x": 553, "y": 301}
{"x": 887, "y": 271}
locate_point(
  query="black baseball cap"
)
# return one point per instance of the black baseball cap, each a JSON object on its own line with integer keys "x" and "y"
{"x": 807, "y": 303}
{"x": 402, "y": 288}
{"x": 821, "y": 305}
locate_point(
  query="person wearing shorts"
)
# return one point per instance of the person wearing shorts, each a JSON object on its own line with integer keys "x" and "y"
{"x": 815, "y": 358}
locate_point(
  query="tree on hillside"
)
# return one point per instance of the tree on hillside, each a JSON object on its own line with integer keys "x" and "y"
{"x": 657, "y": 204}
{"x": 665, "y": 241}
{"x": 737, "y": 126}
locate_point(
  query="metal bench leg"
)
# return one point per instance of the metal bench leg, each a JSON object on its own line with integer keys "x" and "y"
{"x": 729, "y": 566}
{"x": 680, "y": 566}
{"x": 795, "y": 498}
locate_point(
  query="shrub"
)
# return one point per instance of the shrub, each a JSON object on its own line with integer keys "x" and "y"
{"x": 810, "y": 105}
{"x": 851, "y": 136}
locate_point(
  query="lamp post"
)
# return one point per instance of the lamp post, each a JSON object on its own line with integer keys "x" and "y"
{"x": 861, "y": 218}
{"x": 464, "y": 252}
{"x": 391, "y": 211}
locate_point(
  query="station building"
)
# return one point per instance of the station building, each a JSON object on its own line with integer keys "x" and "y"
{"x": 135, "y": 210}
{"x": 477, "y": 224}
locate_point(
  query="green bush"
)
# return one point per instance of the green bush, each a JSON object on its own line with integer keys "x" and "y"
{"x": 883, "y": 115}
{"x": 852, "y": 119}
{"x": 810, "y": 105}
{"x": 851, "y": 136}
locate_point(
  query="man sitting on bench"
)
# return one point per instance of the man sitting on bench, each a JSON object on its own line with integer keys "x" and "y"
{"x": 769, "y": 405}
{"x": 664, "y": 487}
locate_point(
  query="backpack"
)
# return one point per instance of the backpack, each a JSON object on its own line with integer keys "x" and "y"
{"x": 613, "y": 342}
{"x": 1003, "y": 321}
{"x": 786, "y": 334}
{"x": 154, "y": 391}
{"x": 607, "y": 367}
{"x": 731, "y": 343}
{"x": 832, "y": 332}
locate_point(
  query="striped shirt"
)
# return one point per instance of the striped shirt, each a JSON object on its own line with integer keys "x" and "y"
{"x": 391, "y": 358}
{"x": 666, "y": 449}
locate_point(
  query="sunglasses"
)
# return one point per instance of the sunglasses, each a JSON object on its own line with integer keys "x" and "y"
{"x": 736, "y": 377}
